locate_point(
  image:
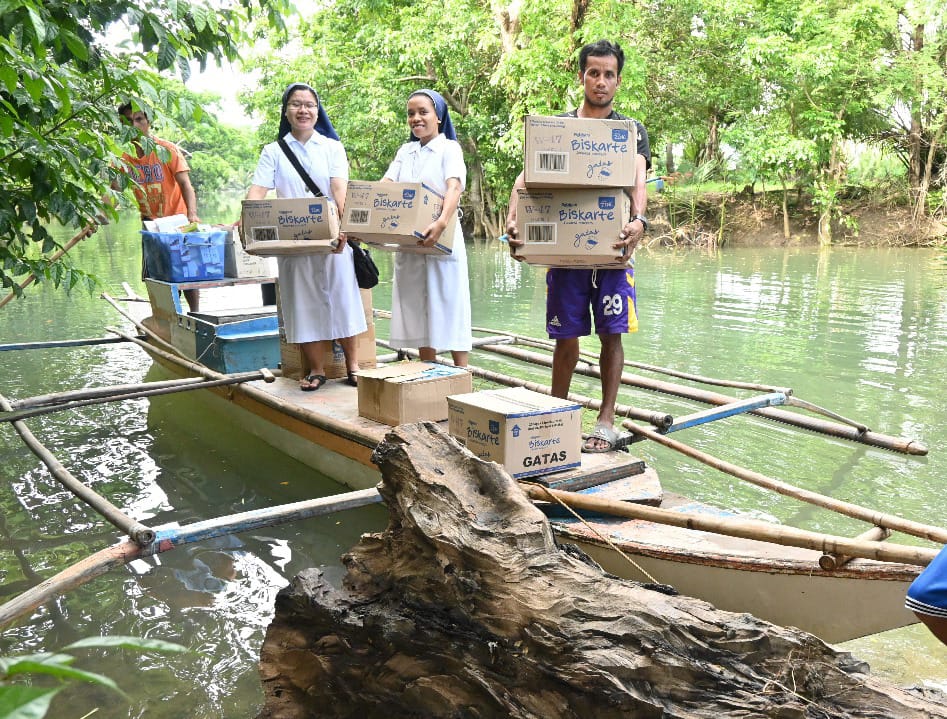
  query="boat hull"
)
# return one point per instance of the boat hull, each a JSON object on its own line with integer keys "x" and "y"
{"x": 783, "y": 585}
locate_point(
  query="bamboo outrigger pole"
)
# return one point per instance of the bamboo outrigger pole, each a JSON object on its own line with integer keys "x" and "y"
{"x": 133, "y": 528}
{"x": 167, "y": 539}
{"x": 743, "y": 528}
{"x": 83, "y": 233}
{"x": 57, "y": 402}
{"x": 879, "y": 519}
{"x": 854, "y": 434}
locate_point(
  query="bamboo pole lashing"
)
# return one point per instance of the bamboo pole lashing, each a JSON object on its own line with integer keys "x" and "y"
{"x": 831, "y": 560}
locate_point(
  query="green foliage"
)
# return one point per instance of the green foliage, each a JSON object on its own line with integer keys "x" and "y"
{"x": 20, "y": 700}
{"x": 60, "y": 83}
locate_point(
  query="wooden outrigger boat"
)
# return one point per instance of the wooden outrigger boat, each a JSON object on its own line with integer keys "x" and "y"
{"x": 612, "y": 506}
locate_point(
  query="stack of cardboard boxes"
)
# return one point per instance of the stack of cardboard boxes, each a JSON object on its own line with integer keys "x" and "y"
{"x": 574, "y": 205}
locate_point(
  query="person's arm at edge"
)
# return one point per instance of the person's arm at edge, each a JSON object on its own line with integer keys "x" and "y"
{"x": 511, "y": 233}
{"x": 187, "y": 191}
{"x": 633, "y": 230}
{"x": 257, "y": 192}
{"x": 451, "y": 200}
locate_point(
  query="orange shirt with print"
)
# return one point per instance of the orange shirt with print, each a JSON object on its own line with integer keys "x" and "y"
{"x": 158, "y": 192}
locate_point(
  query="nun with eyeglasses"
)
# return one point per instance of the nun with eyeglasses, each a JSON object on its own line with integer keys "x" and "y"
{"x": 430, "y": 297}
{"x": 319, "y": 296}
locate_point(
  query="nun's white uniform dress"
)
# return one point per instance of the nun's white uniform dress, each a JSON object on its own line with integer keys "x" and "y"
{"x": 319, "y": 297}
{"x": 430, "y": 298}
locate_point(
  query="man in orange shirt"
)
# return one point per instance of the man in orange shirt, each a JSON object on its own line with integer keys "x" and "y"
{"x": 164, "y": 186}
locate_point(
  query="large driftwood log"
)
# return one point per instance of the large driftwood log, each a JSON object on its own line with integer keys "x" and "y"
{"x": 466, "y": 607}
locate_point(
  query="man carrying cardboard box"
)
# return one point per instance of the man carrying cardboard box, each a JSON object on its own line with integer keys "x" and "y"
{"x": 610, "y": 293}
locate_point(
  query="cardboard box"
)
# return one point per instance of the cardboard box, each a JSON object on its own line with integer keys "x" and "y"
{"x": 527, "y": 432}
{"x": 579, "y": 152}
{"x": 294, "y": 364}
{"x": 394, "y": 215}
{"x": 572, "y": 228}
{"x": 239, "y": 263}
{"x": 301, "y": 226}
{"x": 410, "y": 391}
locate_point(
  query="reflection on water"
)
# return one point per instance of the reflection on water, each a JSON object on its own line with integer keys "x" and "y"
{"x": 861, "y": 331}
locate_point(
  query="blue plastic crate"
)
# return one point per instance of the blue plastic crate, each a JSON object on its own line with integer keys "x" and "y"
{"x": 184, "y": 256}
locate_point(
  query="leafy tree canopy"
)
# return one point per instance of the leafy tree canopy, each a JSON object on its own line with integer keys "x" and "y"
{"x": 60, "y": 83}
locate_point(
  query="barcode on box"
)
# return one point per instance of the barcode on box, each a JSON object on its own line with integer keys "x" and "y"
{"x": 552, "y": 162}
{"x": 359, "y": 216}
{"x": 541, "y": 233}
{"x": 265, "y": 234}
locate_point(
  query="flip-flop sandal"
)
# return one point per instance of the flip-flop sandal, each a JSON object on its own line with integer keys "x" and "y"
{"x": 319, "y": 379}
{"x": 352, "y": 379}
{"x": 606, "y": 433}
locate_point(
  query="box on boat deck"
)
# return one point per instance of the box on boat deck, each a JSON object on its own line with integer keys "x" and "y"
{"x": 579, "y": 152}
{"x": 184, "y": 256}
{"x": 410, "y": 391}
{"x": 294, "y": 364}
{"x": 239, "y": 263}
{"x": 527, "y": 432}
{"x": 394, "y": 215}
{"x": 281, "y": 226}
{"x": 571, "y": 228}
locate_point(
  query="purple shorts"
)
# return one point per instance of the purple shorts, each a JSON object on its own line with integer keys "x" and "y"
{"x": 571, "y": 292}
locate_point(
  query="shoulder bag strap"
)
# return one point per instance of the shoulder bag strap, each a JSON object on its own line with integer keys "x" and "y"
{"x": 291, "y": 156}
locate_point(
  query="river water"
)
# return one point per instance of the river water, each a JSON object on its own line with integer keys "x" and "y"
{"x": 861, "y": 331}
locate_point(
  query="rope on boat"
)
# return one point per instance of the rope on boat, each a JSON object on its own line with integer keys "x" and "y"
{"x": 561, "y": 502}
{"x": 145, "y": 331}
{"x": 141, "y": 534}
{"x": 803, "y": 404}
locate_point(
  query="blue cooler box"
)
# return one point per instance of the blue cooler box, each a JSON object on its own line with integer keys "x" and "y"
{"x": 184, "y": 256}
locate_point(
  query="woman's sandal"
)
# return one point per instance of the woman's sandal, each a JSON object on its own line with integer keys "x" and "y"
{"x": 352, "y": 379}
{"x": 319, "y": 379}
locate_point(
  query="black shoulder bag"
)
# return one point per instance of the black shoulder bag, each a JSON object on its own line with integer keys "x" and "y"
{"x": 366, "y": 272}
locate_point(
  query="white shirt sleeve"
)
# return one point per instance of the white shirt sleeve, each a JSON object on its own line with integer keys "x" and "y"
{"x": 454, "y": 163}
